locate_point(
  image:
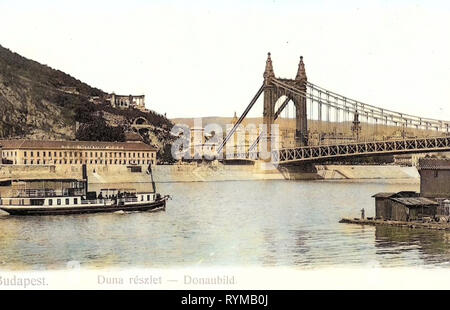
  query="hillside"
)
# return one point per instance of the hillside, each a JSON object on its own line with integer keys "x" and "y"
{"x": 33, "y": 104}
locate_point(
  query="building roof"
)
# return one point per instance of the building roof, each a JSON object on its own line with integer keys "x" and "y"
{"x": 403, "y": 156}
{"x": 131, "y": 136}
{"x": 384, "y": 195}
{"x": 415, "y": 201}
{"x": 399, "y": 194}
{"x": 127, "y": 96}
{"x": 54, "y": 179}
{"x": 404, "y": 194}
{"x": 434, "y": 163}
{"x": 74, "y": 145}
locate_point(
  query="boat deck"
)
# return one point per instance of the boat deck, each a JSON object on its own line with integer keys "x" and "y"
{"x": 80, "y": 209}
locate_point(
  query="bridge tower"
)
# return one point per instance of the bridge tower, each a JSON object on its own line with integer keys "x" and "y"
{"x": 270, "y": 98}
{"x": 272, "y": 93}
{"x": 301, "y": 132}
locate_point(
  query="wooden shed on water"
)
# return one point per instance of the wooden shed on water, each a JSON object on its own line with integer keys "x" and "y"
{"x": 404, "y": 206}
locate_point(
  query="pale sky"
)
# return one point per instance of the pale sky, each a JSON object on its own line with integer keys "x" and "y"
{"x": 206, "y": 58}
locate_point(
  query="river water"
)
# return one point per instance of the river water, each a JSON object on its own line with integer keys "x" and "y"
{"x": 238, "y": 224}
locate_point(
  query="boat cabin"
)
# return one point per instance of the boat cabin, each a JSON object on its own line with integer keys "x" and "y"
{"x": 68, "y": 192}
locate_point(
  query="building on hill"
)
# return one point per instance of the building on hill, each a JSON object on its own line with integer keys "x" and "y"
{"x": 126, "y": 102}
{"x": 70, "y": 90}
{"x": 95, "y": 99}
{"x": 33, "y": 152}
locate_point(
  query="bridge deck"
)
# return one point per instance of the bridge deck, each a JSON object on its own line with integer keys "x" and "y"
{"x": 320, "y": 153}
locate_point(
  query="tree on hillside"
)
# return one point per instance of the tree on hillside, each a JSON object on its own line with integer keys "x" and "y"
{"x": 165, "y": 155}
{"x": 82, "y": 108}
{"x": 99, "y": 130}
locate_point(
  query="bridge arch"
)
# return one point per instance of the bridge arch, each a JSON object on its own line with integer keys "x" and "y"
{"x": 140, "y": 121}
{"x": 280, "y": 102}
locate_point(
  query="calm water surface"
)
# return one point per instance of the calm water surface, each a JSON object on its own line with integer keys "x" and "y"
{"x": 248, "y": 223}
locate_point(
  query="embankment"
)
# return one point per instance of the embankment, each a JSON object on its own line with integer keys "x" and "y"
{"x": 102, "y": 177}
{"x": 210, "y": 173}
{"x": 361, "y": 172}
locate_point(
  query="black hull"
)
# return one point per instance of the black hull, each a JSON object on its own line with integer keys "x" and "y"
{"x": 154, "y": 206}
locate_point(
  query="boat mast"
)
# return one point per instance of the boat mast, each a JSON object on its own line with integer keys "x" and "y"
{"x": 149, "y": 170}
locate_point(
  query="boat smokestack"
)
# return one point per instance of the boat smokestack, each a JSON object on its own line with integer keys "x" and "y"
{"x": 85, "y": 177}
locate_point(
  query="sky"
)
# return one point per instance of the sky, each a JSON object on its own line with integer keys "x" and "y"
{"x": 206, "y": 58}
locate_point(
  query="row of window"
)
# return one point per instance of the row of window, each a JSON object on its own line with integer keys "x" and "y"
{"x": 89, "y": 154}
{"x": 61, "y": 201}
{"x": 76, "y": 161}
{"x": 75, "y": 200}
{"x": 58, "y": 201}
{"x": 9, "y": 154}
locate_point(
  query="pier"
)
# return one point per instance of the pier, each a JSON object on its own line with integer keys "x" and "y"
{"x": 425, "y": 225}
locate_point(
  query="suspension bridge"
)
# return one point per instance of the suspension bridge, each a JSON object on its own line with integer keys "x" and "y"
{"x": 332, "y": 127}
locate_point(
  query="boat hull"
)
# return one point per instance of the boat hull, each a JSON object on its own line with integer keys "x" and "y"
{"x": 151, "y": 206}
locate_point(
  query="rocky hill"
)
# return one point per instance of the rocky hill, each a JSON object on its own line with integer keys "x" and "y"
{"x": 35, "y": 103}
{"x": 32, "y": 103}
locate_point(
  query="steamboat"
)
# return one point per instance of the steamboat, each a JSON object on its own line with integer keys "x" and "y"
{"x": 71, "y": 196}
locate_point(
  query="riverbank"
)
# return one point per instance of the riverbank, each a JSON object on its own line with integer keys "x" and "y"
{"x": 102, "y": 176}
{"x": 220, "y": 172}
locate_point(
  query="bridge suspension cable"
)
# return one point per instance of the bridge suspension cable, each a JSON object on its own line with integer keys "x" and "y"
{"x": 277, "y": 113}
{"x": 414, "y": 121}
{"x": 354, "y": 106}
{"x": 249, "y": 107}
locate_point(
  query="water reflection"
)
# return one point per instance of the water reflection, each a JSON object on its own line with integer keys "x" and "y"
{"x": 276, "y": 244}
{"x": 266, "y": 223}
{"x": 432, "y": 246}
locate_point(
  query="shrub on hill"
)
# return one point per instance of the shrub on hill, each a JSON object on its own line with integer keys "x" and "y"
{"x": 99, "y": 130}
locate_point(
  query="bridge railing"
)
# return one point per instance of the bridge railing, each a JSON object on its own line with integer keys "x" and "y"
{"x": 315, "y": 153}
